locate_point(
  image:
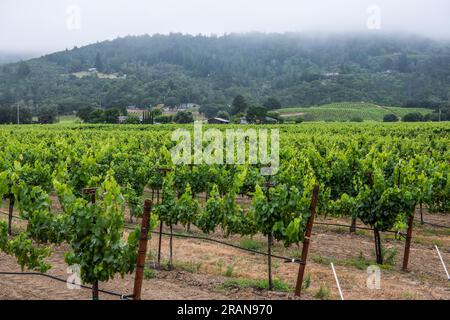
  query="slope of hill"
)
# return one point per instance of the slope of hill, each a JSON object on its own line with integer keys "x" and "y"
{"x": 296, "y": 69}
{"x": 347, "y": 111}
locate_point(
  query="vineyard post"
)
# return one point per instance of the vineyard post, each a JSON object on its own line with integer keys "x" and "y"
{"x": 188, "y": 229}
{"x": 145, "y": 225}
{"x": 353, "y": 226}
{"x": 91, "y": 192}
{"x": 408, "y": 242}
{"x": 10, "y": 213}
{"x": 309, "y": 226}
{"x": 160, "y": 243}
{"x": 421, "y": 213}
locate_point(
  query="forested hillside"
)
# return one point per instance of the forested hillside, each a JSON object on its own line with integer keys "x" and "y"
{"x": 298, "y": 70}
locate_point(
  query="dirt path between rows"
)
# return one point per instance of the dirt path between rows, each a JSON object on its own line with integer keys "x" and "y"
{"x": 202, "y": 268}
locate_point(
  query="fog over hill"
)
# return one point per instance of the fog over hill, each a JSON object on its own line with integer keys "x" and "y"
{"x": 297, "y": 69}
{"x": 53, "y": 25}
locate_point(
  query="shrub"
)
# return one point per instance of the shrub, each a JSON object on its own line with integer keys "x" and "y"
{"x": 413, "y": 117}
{"x": 356, "y": 119}
{"x": 132, "y": 120}
{"x": 390, "y": 118}
{"x": 164, "y": 119}
{"x": 223, "y": 114}
{"x": 184, "y": 117}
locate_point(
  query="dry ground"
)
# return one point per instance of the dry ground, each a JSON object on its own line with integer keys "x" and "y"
{"x": 202, "y": 268}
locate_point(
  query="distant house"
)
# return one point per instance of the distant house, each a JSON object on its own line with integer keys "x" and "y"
{"x": 92, "y": 70}
{"x": 243, "y": 120}
{"x": 218, "y": 121}
{"x": 184, "y": 106}
{"x": 122, "y": 119}
{"x": 270, "y": 120}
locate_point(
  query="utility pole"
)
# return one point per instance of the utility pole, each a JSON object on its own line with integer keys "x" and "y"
{"x": 18, "y": 113}
{"x": 440, "y": 111}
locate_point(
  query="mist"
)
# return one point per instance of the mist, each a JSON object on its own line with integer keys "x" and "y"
{"x": 52, "y": 25}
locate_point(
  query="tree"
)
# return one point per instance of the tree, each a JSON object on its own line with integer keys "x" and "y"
{"x": 23, "y": 70}
{"x": 272, "y": 104}
{"x": 223, "y": 114}
{"x": 413, "y": 117}
{"x": 184, "y": 117}
{"x": 210, "y": 111}
{"x": 84, "y": 113}
{"x": 112, "y": 115}
{"x": 8, "y": 114}
{"x": 132, "y": 119}
{"x": 48, "y": 115}
{"x": 356, "y": 119}
{"x": 256, "y": 114}
{"x": 402, "y": 63}
{"x": 150, "y": 116}
{"x": 99, "y": 63}
{"x": 172, "y": 102}
{"x": 164, "y": 119}
{"x": 97, "y": 116}
{"x": 239, "y": 105}
{"x": 390, "y": 118}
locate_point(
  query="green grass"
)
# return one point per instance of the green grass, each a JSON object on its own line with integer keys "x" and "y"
{"x": 229, "y": 272}
{"x": 317, "y": 258}
{"x": 360, "y": 262}
{"x": 71, "y": 119}
{"x": 149, "y": 273}
{"x": 346, "y": 111}
{"x": 408, "y": 295}
{"x": 250, "y": 244}
{"x": 323, "y": 293}
{"x": 243, "y": 283}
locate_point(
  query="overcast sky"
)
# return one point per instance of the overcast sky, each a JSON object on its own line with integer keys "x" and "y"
{"x": 50, "y": 25}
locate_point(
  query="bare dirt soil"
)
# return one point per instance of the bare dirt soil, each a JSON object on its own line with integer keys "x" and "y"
{"x": 207, "y": 270}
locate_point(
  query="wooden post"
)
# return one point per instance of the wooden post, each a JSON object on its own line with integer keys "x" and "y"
{"x": 158, "y": 265}
{"x": 408, "y": 242}
{"x": 140, "y": 264}
{"x": 421, "y": 213}
{"x": 10, "y": 213}
{"x": 353, "y": 226}
{"x": 95, "y": 290}
{"x": 378, "y": 251}
{"x": 91, "y": 192}
{"x": 309, "y": 226}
